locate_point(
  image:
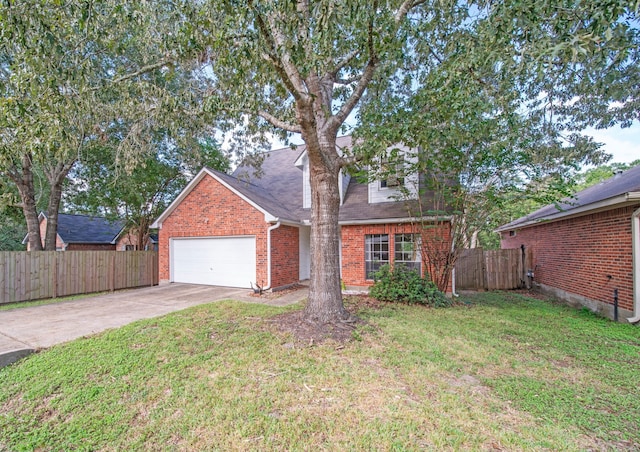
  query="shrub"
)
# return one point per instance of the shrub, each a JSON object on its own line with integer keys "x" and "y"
{"x": 405, "y": 285}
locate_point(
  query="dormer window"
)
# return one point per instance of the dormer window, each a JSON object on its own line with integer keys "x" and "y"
{"x": 393, "y": 171}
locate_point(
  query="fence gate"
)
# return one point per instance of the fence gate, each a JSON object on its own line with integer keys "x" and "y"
{"x": 489, "y": 270}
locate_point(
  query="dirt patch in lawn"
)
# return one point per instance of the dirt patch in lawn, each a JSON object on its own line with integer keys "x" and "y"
{"x": 307, "y": 333}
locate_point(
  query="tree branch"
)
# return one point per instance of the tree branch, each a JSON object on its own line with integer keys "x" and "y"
{"x": 344, "y": 61}
{"x": 346, "y": 81}
{"x": 404, "y": 9}
{"x": 282, "y": 63}
{"x": 279, "y": 123}
{"x": 366, "y": 77}
{"x": 142, "y": 70}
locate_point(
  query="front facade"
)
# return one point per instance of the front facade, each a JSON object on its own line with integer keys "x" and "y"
{"x": 589, "y": 250}
{"x": 250, "y": 229}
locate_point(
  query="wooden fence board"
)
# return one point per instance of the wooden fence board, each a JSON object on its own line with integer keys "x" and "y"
{"x": 489, "y": 270}
{"x": 46, "y": 274}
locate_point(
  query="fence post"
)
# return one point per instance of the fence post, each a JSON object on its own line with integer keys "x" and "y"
{"x": 55, "y": 276}
{"x": 112, "y": 271}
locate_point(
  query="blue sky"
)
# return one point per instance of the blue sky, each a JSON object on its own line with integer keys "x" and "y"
{"x": 623, "y": 144}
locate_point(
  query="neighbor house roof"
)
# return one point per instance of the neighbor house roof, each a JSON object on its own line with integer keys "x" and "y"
{"x": 620, "y": 190}
{"x": 87, "y": 229}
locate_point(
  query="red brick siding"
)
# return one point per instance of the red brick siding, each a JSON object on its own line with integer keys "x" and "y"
{"x": 212, "y": 210}
{"x": 353, "y": 242}
{"x": 285, "y": 256}
{"x": 576, "y": 255}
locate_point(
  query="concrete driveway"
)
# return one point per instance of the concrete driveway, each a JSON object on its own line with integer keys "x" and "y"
{"x": 24, "y": 330}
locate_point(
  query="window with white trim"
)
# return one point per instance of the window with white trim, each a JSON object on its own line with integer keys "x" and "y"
{"x": 376, "y": 253}
{"x": 407, "y": 251}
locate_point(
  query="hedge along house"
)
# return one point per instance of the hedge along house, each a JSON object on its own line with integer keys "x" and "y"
{"x": 253, "y": 227}
{"x": 587, "y": 247}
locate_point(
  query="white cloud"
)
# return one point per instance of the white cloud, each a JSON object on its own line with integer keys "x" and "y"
{"x": 623, "y": 144}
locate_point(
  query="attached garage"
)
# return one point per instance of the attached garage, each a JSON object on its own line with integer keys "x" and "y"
{"x": 215, "y": 261}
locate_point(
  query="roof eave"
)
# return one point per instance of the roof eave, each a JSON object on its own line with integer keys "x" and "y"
{"x": 606, "y": 204}
{"x": 441, "y": 218}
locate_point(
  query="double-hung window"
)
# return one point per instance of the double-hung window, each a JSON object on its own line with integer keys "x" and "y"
{"x": 376, "y": 253}
{"x": 407, "y": 251}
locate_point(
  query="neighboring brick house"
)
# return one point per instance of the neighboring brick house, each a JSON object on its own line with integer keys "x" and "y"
{"x": 82, "y": 232}
{"x": 254, "y": 226}
{"x": 128, "y": 241}
{"x": 586, "y": 247}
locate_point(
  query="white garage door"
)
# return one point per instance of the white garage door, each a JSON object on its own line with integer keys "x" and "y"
{"x": 220, "y": 261}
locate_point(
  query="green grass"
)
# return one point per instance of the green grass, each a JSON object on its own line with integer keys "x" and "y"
{"x": 44, "y": 301}
{"x": 500, "y": 371}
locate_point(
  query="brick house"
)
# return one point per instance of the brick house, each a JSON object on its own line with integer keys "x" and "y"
{"x": 588, "y": 246}
{"x": 253, "y": 226}
{"x": 83, "y": 232}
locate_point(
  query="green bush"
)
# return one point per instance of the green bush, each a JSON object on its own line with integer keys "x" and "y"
{"x": 405, "y": 285}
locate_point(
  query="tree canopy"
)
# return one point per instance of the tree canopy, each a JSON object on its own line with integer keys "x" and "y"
{"x": 490, "y": 93}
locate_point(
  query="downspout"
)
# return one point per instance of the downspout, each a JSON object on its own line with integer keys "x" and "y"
{"x": 635, "y": 250}
{"x": 453, "y": 271}
{"x": 269, "y": 229}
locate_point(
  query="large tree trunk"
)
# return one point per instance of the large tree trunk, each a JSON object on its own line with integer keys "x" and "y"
{"x": 55, "y": 195}
{"x": 56, "y": 177}
{"x": 325, "y": 297}
{"x": 23, "y": 178}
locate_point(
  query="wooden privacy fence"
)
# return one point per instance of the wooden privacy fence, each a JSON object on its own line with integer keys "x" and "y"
{"x": 48, "y": 274}
{"x": 489, "y": 270}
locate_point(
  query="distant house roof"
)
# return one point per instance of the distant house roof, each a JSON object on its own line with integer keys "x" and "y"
{"x": 620, "y": 190}
{"x": 88, "y": 229}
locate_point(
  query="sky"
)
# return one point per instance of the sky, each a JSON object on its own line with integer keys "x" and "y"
{"x": 623, "y": 144}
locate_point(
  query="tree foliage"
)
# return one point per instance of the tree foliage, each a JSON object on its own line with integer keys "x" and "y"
{"x": 494, "y": 99}
{"x": 100, "y": 186}
{"x": 71, "y": 75}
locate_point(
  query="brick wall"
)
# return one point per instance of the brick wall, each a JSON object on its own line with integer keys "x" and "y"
{"x": 577, "y": 255}
{"x": 353, "y": 246}
{"x": 212, "y": 210}
{"x": 285, "y": 256}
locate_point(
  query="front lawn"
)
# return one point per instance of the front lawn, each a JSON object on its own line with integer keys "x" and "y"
{"x": 499, "y": 372}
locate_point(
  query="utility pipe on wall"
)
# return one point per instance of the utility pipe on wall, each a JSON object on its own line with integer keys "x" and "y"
{"x": 635, "y": 250}
{"x": 269, "y": 229}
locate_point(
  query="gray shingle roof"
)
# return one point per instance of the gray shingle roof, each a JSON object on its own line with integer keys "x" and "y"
{"x": 87, "y": 229}
{"x": 618, "y": 185}
{"x": 277, "y": 187}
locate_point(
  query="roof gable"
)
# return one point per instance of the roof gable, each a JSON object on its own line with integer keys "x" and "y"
{"x": 240, "y": 188}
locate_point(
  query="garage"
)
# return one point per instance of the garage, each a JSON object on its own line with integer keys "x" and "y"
{"x": 215, "y": 261}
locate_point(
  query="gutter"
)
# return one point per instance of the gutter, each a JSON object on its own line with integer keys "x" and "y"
{"x": 393, "y": 220}
{"x": 269, "y": 229}
{"x": 618, "y": 201}
{"x": 635, "y": 251}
